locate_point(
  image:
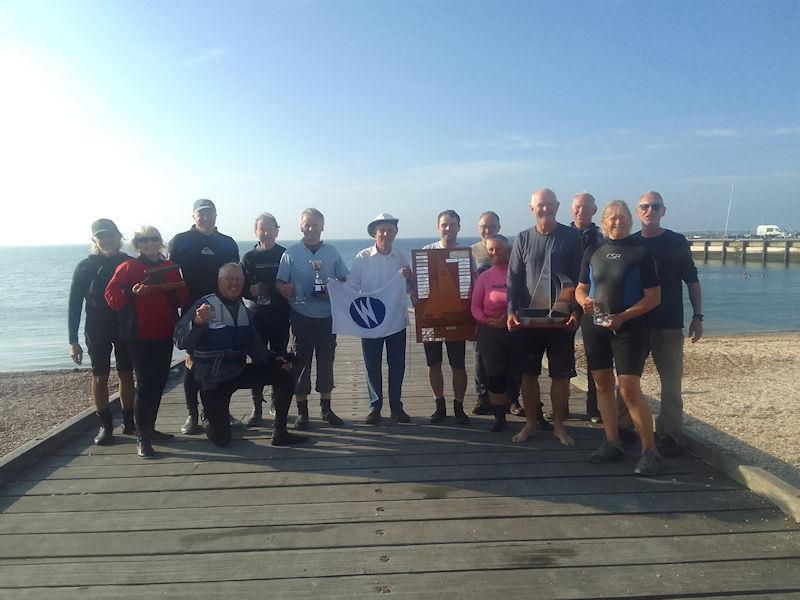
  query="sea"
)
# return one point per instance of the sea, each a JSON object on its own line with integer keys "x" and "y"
{"x": 35, "y": 281}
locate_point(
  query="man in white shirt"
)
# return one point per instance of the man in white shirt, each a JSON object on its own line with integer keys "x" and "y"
{"x": 372, "y": 269}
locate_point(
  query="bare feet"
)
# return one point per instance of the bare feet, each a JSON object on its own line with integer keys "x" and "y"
{"x": 525, "y": 432}
{"x": 561, "y": 433}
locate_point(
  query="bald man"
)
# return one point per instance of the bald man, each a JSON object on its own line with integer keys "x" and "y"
{"x": 530, "y": 250}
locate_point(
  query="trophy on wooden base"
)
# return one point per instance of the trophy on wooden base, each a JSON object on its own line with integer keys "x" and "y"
{"x": 550, "y": 301}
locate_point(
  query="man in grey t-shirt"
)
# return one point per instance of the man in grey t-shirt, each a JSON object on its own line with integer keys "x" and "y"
{"x": 531, "y": 248}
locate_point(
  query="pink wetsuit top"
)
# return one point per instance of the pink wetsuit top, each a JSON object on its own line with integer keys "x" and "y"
{"x": 489, "y": 294}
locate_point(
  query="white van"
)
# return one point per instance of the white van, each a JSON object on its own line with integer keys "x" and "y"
{"x": 770, "y": 231}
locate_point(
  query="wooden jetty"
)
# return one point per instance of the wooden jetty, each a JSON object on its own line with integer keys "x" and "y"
{"x": 387, "y": 511}
{"x": 747, "y": 250}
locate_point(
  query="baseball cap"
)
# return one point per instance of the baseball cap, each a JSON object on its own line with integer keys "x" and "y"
{"x": 203, "y": 204}
{"x": 104, "y": 226}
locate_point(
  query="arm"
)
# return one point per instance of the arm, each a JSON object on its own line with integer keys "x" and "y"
{"x": 582, "y": 298}
{"x": 476, "y": 305}
{"x": 190, "y": 327}
{"x": 77, "y": 292}
{"x": 515, "y": 282}
{"x": 696, "y": 300}
{"x": 118, "y": 288}
{"x": 651, "y": 299}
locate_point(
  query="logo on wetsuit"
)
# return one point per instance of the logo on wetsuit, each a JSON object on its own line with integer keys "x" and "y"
{"x": 613, "y": 256}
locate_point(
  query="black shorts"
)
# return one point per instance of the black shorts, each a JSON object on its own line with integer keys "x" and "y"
{"x": 626, "y": 350}
{"x": 496, "y": 347}
{"x": 456, "y": 353}
{"x": 559, "y": 345}
{"x": 98, "y": 345}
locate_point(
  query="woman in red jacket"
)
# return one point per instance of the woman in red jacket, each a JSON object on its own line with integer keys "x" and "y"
{"x": 148, "y": 291}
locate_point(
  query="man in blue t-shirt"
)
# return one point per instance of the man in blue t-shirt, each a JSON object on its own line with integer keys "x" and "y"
{"x": 302, "y": 273}
{"x": 665, "y": 323}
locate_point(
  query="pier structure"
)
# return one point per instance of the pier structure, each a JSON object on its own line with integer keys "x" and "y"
{"x": 747, "y": 250}
{"x": 411, "y": 511}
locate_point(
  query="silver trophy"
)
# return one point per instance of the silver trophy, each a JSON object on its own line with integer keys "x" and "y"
{"x": 550, "y": 301}
{"x": 319, "y": 286}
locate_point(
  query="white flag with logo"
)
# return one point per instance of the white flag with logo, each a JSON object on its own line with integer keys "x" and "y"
{"x": 372, "y": 314}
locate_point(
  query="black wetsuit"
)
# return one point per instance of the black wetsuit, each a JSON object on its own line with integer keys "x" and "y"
{"x": 89, "y": 282}
{"x": 271, "y": 320}
{"x": 618, "y": 271}
{"x": 200, "y": 257}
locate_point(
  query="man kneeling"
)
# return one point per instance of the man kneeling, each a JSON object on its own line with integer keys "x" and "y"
{"x": 219, "y": 333}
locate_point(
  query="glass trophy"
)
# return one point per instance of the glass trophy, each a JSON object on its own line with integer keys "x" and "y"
{"x": 601, "y": 314}
{"x": 550, "y": 300}
{"x": 320, "y": 289}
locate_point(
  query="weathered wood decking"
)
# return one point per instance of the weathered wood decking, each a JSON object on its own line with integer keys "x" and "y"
{"x": 411, "y": 511}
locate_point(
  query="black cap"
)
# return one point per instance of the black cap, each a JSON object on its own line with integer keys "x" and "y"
{"x": 104, "y": 226}
{"x": 202, "y": 204}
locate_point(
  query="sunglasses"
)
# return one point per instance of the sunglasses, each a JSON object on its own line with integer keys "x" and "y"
{"x": 145, "y": 240}
{"x": 645, "y": 207}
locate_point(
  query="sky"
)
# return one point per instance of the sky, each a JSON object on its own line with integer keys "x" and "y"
{"x": 131, "y": 110}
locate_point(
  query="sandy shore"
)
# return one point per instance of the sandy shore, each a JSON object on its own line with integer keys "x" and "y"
{"x": 742, "y": 392}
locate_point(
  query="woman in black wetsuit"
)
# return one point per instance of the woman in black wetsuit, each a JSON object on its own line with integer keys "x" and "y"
{"x": 618, "y": 284}
{"x": 269, "y": 308}
{"x": 102, "y": 327}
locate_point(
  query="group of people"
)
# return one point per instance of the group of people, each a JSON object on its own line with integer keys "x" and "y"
{"x": 222, "y": 311}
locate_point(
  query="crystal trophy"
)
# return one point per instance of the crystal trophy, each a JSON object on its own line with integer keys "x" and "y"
{"x": 550, "y": 301}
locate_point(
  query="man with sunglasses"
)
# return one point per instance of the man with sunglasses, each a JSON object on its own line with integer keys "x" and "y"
{"x": 665, "y": 322}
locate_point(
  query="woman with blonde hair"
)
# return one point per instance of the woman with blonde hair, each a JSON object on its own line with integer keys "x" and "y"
{"x": 148, "y": 291}
{"x": 618, "y": 284}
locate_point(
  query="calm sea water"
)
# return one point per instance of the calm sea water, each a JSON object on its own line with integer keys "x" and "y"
{"x": 34, "y": 290}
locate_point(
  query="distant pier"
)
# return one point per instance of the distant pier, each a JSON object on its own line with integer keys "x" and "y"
{"x": 747, "y": 250}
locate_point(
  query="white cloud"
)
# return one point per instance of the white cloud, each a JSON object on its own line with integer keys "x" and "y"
{"x": 510, "y": 142}
{"x": 206, "y": 56}
{"x": 781, "y": 131}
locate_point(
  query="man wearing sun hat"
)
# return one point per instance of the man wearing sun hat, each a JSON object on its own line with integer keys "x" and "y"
{"x": 372, "y": 269}
{"x": 200, "y": 252}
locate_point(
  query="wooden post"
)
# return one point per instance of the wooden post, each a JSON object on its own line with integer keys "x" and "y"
{"x": 786, "y": 246}
{"x": 745, "y": 243}
{"x": 705, "y": 250}
{"x": 764, "y": 252}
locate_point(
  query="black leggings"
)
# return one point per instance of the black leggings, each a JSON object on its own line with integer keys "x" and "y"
{"x": 216, "y": 401}
{"x": 151, "y": 361}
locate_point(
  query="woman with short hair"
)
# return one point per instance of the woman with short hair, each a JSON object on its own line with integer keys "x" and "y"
{"x": 619, "y": 283}
{"x": 148, "y": 291}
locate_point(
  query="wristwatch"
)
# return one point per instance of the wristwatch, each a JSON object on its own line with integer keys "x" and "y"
{"x": 698, "y": 316}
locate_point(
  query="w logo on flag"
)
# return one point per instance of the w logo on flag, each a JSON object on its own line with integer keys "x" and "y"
{"x": 367, "y": 312}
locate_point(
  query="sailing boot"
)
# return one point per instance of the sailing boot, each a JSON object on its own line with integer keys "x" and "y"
{"x": 254, "y": 420}
{"x": 143, "y": 446}
{"x": 499, "y": 423}
{"x": 458, "y": 411}
{"x": 191, "y": 426}
{"x": 440, "y": 413}
{"x": 301, "y": 422}
{"x": 106, "y": 433}
{"x": 281, "y": 437}
{"x": 128, "y": 425}
{"x": 327, "y": 413}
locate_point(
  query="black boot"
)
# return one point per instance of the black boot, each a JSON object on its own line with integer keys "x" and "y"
{"x": 458, "y": 411}
{"x": 482, "y": 406}
{"x": 143, "y": 446}
{"x": 128, "y": 425}
{"x": 440, "y": 413}
{"x": 254, "y": 420}
{"x": 281, "y": 437}
{"x": 327, "y": 413}
{"x": 301, "y": 422}
{"x": 191, "y": 426}
{"x": 499, "y": 423}
{"x": 106, "y": 433}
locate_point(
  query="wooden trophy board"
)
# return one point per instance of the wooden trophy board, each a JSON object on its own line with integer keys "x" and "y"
{"x": 443, "y": 284}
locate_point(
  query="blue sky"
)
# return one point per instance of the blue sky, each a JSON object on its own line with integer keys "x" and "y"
{"x": 131, "y": 110}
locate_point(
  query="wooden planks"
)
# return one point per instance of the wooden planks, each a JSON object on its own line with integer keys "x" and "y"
{"x": 415, "y": 511}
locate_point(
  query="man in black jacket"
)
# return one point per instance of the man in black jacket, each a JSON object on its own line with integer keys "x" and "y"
{"x": 200, "y": 252}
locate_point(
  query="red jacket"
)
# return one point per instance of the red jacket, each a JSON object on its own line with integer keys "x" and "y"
{"x": 153, "y": 315}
